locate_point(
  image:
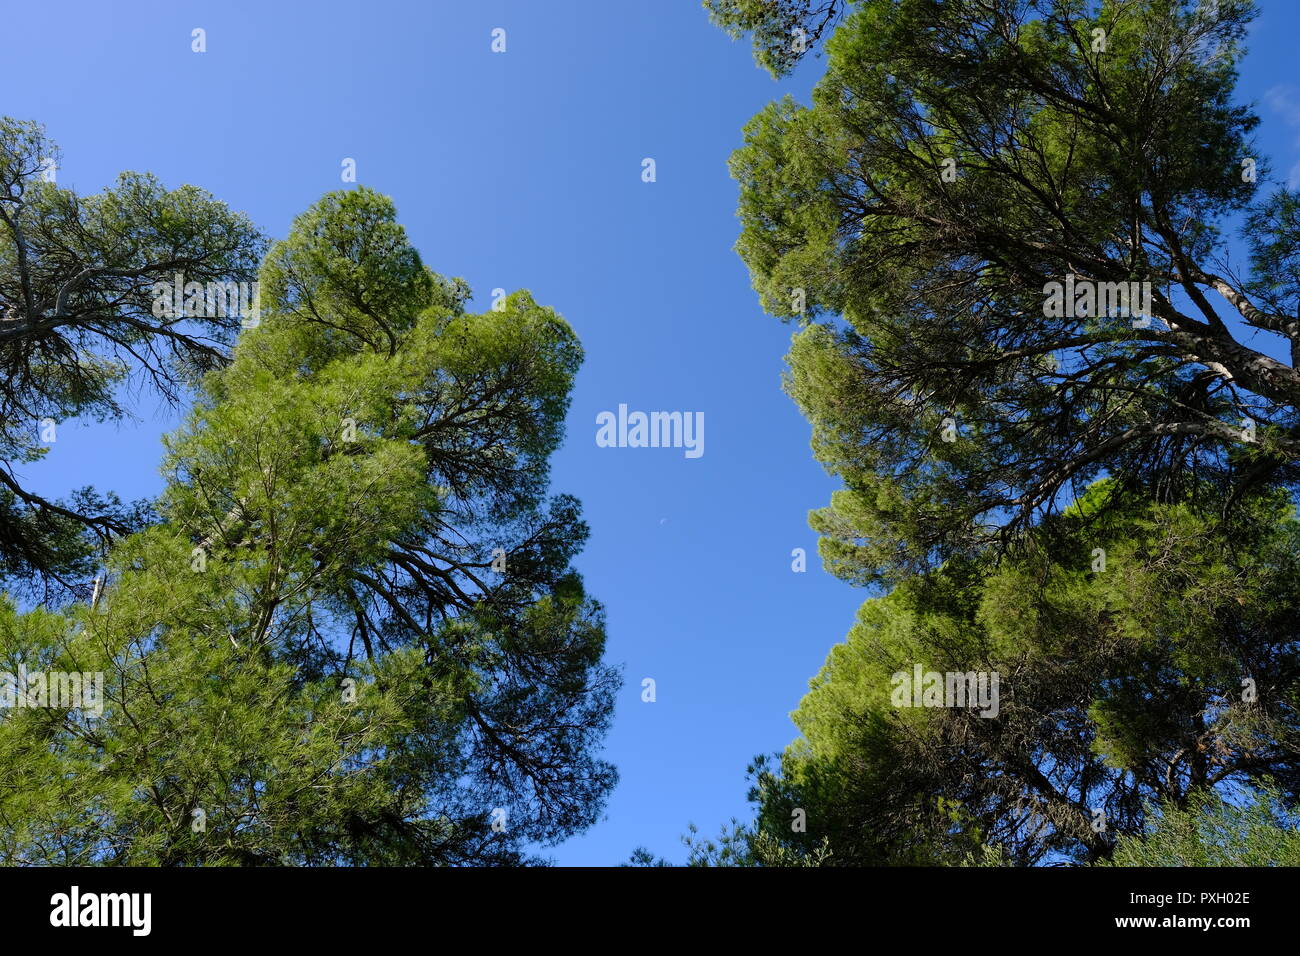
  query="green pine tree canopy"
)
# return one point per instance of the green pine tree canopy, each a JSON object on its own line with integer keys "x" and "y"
{"x": 354, "y": 635}
{"x": 1045, "y": 299}
{"x": 1173, "y": 670}
{"x": 78, "y": 333}
{"x": 955, "y": 409}
{"x": 1095, "y": 504}
{"x": 1211, "y": 831}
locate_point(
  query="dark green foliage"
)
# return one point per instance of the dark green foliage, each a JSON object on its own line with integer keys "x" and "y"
{"x": 955, "y": 408}
{"x": 1212, "y": 831}
{"x": 354, "y": 636}
{"x": 783, "y": 31}
{"x": 77, "y": 327}
{"x": 958, "y": 158}
{"x": 1170, "y": 671}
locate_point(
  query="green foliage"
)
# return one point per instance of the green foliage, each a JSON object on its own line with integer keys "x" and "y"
{"x": 1117, "y": 687}
{"x": 955, "y": 159}
{"x": 1212, "y": 831}
{"x": 77, "y": 326}
{"x": 316, "y": 649}
{"x": 783, "y": 31}
{"x": 739, "y": 844}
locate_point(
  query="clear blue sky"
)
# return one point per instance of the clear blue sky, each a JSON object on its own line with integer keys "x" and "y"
{"x": 523, "y": 170}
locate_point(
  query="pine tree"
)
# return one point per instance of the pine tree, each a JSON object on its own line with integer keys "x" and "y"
{"x": 79, "y": 331}
{"x": 354, "y": 636}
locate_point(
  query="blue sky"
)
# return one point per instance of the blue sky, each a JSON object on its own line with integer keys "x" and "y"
{"x": 523, "y": 170}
